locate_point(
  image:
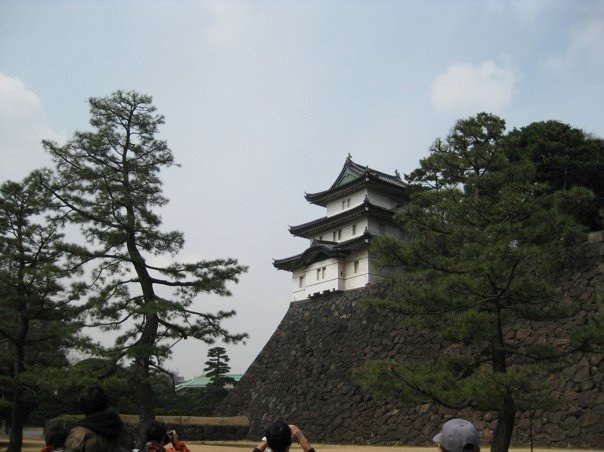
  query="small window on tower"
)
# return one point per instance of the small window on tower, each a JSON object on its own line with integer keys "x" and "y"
{"x": 335, "y": 236}
{"x": 343, "y": 204}
{"x": 318, "y": 274}
{"x": 323, "y": 273}
{"x": 354, "y": 229}
{"x": 339, "y": 234}
{"x": 348, "y": 202}
{"x": 356, "y": 266}
{"x": 301, "y": 282}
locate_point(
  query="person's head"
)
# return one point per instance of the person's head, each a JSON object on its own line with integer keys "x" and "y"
{"x": 278, "y": 436}
{"x": 55, "y": 436}
{"x": 158, "y": 431}
{"x": 93, "y": 399}
{"x": 458, "y": 435}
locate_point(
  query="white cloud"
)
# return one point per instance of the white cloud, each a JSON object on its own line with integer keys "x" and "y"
{"x": 468, "y": 88}
{"x": 23, "y": 126}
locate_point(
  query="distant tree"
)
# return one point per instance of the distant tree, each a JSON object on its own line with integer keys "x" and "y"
{"x": 66, "y": 384}
{"x": 217, "y": 367}
{"x": 109, "y": 180}
{"x": 486, "y": 239}
{"x": 564, "y": 157}
{"x": 38, "y": 319}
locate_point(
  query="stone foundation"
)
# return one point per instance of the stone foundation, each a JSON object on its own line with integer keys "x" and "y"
{"x": 304, "y": 374}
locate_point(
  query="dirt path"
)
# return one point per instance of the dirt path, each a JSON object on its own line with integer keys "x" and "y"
{"x": 35, "y": 444}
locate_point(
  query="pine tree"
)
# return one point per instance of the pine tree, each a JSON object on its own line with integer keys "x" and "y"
{"x": 217, "y": 367}
{"x": 564, "y": 157}
{"x": 486, "y": 240}
{"x": 109, "y": 179}
{"x": 38, "y": 318}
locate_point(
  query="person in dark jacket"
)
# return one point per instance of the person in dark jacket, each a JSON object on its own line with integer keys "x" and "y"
{"x": 55, "y": 438}
{"x": 279, "y": 437}
{"x": 100, "y": 430}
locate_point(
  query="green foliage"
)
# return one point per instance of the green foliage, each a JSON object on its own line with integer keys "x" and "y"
{"x": 217, "y": 367}
{"x": 488, "y": 235}
{"x": 39, "y": 320}
{"x": 456, "y": 383}
{"x": 108, "y": 180}
{"x": 564, "y": 157}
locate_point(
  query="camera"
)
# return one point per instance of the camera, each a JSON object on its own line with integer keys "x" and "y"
{"x": 169, "y": 437}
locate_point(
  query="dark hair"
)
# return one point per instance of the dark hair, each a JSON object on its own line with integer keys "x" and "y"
{"x": 55, "y": 436}
{"x": 158, "y": 431}
{"x": 93, "y": 399}
{"x": 278, "y": 436}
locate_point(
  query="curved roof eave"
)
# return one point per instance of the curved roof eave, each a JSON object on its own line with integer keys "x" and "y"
{"x": 313, "y": 254}
{"x": 353, "y": 176}
{"x": 307, "y": 230}
{"x": 320, "y": 250}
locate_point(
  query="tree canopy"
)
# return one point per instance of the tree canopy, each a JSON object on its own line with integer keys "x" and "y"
{"x": 39, "y": 321}
{"x": 108, "y": 181}
{"x": 487, "y": 239}
{"x": 564, "y": 157}
{"x": 217, "y": 367}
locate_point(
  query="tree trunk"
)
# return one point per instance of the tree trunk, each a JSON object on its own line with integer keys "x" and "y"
{"x": 144, "y": 389}
{"x": 17, "y": 412}
{"x": 506, "y": 415}
{"x": 506, "y": 419}
{"x": 144, "y": 394}
{"x": 16, "y": 423}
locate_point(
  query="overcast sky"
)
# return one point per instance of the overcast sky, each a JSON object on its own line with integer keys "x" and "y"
{"x": 265, "y": 99}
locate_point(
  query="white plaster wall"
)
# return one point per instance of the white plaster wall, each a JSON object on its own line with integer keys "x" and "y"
{"x": 340, "y": 275}
{"x": 347, "y": 234}
{"x": 331, "y": 281}
{"x": 298, "y": 293}
{"x": 381, "y": 200}
{"x": 354, "y": 280}
{"x": 334, "y": 208}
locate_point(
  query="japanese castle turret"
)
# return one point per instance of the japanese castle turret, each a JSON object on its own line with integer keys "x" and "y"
{"x": 360, "y": 205}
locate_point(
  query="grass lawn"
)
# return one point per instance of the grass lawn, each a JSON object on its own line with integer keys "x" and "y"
{"x": 35, "y": 443}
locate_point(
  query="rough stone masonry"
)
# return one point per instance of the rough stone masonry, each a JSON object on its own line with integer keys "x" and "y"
{"x": 304, "y": 374}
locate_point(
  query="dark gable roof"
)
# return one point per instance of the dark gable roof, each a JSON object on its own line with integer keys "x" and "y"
{"x": 352, "y": 177}
{"x": 320, "y": 250}
{"x": 316, "y": 227}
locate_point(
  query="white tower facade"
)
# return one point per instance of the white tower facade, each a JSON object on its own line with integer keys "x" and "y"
{"x": 359, "y": 205}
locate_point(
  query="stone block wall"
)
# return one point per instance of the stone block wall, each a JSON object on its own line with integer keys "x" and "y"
{"x": 304, "y": 374}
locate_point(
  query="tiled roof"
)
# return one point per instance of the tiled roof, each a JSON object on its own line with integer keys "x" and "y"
{"x": 202, "y": 381}
{"x": 315, "y": 227}
{"x": 354, "y": 176}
